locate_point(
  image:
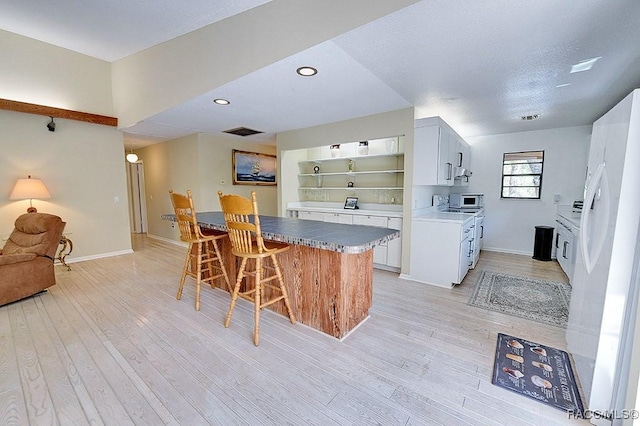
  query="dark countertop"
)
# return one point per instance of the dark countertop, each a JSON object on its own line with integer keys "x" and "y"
{"x": 336, "y": 237}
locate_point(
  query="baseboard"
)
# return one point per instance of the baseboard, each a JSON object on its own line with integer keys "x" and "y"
{"x": 96, "y": 256}
{"x": 167, "y": 240}
{"x": 501, "y": 250}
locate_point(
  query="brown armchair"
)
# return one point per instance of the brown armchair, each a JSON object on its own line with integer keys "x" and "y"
{"x": 26, "y": 260}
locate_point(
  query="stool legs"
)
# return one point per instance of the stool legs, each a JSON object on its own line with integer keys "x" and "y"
{"x": 257, "y": 294}
{"x": 283, "y": 289}
{"x": 203, "y": 254}
{"x": 259, "y": 290}
{"x": 187, "y": 262}
{"x": 234, "y": 295}
{"x": 216, "y": 249}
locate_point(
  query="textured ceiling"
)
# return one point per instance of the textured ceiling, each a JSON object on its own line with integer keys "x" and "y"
{"x": 479, "y": 65}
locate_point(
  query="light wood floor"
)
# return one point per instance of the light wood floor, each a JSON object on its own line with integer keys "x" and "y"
{"x": 110, "y": 344}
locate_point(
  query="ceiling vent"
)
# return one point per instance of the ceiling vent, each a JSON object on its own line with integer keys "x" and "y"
{"x": 530, "y": 117}
{"x": 242, "y": 131}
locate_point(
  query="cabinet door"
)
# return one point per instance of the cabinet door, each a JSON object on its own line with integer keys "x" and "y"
{"x": 462, "y": 160}
{"x": 447, "y": 156}
{"x": 379, "y": 221}
{"x": 465, "y": 259}
{"x": 379, "y": 252}
{"x": 394, "y": 247}
{"x": 338, "y": 218}
{"x": 425, "y": 155}
{"x": 311, "y": 215}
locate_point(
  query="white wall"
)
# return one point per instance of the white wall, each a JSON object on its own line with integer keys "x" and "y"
{"x": 509, "y": 224}
{"x": 83, "y": 191}
{"x": 198, "y": 163}
{"x": 43, "y": 74}
{"x": 82, "y": 164}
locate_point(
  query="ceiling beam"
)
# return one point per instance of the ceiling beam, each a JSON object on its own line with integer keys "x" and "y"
{"x": 57, "y": 112}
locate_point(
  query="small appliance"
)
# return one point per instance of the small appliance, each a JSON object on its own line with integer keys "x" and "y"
{"x": 461, "y": 201}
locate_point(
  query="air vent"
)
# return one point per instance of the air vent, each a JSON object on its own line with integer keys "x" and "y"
{"x": 530, "y": 117}
{"x": 242, "y": 131}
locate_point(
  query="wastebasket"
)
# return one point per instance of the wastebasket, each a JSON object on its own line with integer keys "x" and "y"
{"x": 543, "y": 243}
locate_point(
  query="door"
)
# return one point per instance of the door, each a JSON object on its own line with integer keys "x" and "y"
{"x": 138, "y": 198}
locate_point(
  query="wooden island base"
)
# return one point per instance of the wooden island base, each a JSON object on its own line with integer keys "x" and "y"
{"x": 328, "y": 291}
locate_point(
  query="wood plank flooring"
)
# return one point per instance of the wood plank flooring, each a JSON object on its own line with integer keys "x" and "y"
{"x": 110, "y": 344}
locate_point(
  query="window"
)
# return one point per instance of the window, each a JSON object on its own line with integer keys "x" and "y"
{"x": 522, "y": 174}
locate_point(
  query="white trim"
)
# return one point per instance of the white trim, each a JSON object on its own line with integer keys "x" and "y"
{"x": 168, "y": 240}
{"x": 96, "y": 256}
{"x": 500, "y": 250}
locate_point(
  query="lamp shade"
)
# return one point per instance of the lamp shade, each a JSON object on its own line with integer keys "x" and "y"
{"x": 29, "y": 188}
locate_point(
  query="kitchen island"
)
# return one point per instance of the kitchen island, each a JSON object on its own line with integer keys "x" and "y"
{"x": 328, "y": 271}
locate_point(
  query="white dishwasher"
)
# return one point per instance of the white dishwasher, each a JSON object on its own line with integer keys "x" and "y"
{"x": 441, "y": 248}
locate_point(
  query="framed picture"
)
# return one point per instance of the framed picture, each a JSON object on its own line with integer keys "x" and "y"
{"x": 351, "y": 203}
{"x": 252, "y": 168}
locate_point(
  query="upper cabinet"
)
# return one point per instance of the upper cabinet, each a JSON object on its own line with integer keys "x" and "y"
{"x": 440, "y": 156}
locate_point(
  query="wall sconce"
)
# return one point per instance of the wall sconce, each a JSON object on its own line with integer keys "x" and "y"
{"x": 51, "y": 125}
{"x": 29, "y": 189}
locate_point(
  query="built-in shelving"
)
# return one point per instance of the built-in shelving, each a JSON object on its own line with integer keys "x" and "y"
{"x": 353, "y": 157}
{"x": 351, "y": 188}
{"x": 351, "y": 173}
{"x": 377, "y": 178}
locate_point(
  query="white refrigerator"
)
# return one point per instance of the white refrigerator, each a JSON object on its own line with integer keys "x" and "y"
{"x": 603, "y": 307}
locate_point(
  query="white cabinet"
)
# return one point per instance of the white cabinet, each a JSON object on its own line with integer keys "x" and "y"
{"x": 310, "y": 215}
{"x": 463, "y": 161}
{"x": 394, "y": 247}
{"x": 465, "y": 256}
{"x": 381, "y": 251}
{"x": 438, "y": 151}
{"x": 379, "y": 221}
{"x": 566, "y": 241}
{"x": 338, "y": 218}
{"x": 441, "y": 250}
{"x": 385, "y": 256}
{"x": 478, "y": 238}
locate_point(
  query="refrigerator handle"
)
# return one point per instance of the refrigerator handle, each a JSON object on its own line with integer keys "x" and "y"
{"x": 597, "y": 182}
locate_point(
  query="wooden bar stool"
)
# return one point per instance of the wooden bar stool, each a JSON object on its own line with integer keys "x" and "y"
{"x": 203, "y": 249}
{"x": 247, "y": 243}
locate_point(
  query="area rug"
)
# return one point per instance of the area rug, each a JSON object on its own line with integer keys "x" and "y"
{"x": 538, "y": 300}
{"x": 536, "y": 371}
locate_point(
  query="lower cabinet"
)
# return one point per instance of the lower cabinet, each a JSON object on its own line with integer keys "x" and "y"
{"x": 566, "y": 240}
{"x": 394, "y": 247}
{"x": 338, "y": 218}
{"x": 307, "y": 215}
{"x": 385, "y": 256}
{"x": 441, "y": 251}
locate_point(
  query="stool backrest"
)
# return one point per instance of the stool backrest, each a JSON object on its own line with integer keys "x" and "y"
{"x": 185, "y": 216}
{"x": 238, "y": 213}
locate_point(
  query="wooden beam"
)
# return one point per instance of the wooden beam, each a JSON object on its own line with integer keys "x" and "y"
{"x": 57, "y": 112}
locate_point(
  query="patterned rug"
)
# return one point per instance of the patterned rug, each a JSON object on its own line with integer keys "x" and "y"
{"x": 538, "y": 300}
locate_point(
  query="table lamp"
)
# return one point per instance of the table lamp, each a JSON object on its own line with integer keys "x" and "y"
{"x": 29, "y": 189}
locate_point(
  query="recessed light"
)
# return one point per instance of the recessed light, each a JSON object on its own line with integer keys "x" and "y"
{"x": 221, "y": 101}
{"x": 530, "y": 117}
{"x": 584, "y": 65}
{"x": 307, "y": 71}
